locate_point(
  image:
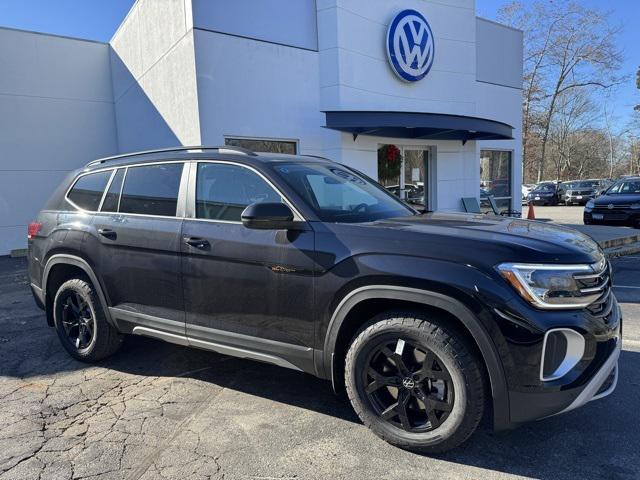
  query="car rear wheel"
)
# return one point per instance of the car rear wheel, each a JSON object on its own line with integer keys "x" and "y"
{"x": 81, "y": 324}
{"x": 415, "y": 382}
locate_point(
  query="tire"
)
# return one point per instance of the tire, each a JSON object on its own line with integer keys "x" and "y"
{"x": 76, "y": 303}
{"x": 454, "y": 383}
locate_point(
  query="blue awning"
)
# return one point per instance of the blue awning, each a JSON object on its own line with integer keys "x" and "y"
{"x": 427, "y": 126}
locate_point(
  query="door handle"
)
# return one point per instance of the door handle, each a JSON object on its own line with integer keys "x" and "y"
{"x": 197, "y": 242}
{"x": 108, "y": 233}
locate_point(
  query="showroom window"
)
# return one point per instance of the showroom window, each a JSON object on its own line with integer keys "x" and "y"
{"x": 151, "y": 189}
{"x": 224, "y": 191}
{"x": 87, "y": 191}
{"x": 495, "y": 177}
{"x": 263, "y": 145}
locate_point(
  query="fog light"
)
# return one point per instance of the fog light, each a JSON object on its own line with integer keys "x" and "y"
{"x": 562, "y": 349}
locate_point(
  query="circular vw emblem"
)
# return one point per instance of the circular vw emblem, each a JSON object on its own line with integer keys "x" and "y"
{"x": 610, "y": 206}
{"x": 410, "y": 45}
{"x": 408, "y": 382}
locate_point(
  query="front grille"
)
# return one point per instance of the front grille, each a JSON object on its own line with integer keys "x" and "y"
{"x": 596, "y": 285}
{"x": 615, "y": 207}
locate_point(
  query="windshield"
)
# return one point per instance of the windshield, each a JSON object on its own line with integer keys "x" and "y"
{"x": 626, "y": 187}
{"x": 548, "y": 187}
{"x": 585, "y": 185}
{"x": 338, "y": 194}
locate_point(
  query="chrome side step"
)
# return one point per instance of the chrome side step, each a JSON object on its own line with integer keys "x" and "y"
{"x": 214, "y": 347}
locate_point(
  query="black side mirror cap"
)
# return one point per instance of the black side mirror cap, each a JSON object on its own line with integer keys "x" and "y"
{"x": 268, "y": 216}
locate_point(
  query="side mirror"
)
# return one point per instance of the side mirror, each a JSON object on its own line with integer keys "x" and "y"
{"x": 268, "y": 216}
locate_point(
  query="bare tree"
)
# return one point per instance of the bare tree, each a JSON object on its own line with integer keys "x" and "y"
{"x": 567, "y": 47}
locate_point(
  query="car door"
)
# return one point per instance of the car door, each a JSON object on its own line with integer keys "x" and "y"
{"x": 137, "y": 233}
{"x": 251, "y": 289}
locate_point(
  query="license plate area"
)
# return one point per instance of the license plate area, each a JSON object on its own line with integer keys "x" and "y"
{"x": 598, "y": 216}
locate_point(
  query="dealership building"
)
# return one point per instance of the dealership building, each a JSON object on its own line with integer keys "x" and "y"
{"x": 422, "y": 95}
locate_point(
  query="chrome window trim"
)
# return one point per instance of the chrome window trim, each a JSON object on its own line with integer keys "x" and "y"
{"x": 113, "y": 168}
{"x": 68, "y": 200}
{"x": 126, "y": 170}
{"x": 191, "y": 209}
{"x": 106, "y": 189}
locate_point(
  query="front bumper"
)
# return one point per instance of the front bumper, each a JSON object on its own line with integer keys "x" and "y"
{"x": 579, "y": 199}
{"x": 593, "y": 375}
{"x": 611, "y": 217}
{"x": 603, "y": 383}
{"x": 542, "y": 200}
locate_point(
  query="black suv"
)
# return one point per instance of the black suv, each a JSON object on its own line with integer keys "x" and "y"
{"x": 618, "y": 205}
{"x": 430, "y": 320}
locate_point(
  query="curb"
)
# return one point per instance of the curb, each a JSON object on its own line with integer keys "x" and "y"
{"x": 629, "y": 249}
{"x": 620, "y": 242}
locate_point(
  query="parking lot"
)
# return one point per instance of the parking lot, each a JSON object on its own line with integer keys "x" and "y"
{"x": 157, "y": 410}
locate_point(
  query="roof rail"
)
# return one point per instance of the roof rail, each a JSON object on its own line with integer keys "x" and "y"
{"x": 220, "y": 149}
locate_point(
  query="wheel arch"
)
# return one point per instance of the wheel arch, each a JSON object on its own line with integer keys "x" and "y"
{"x": 78, "y": 264}
{"x": 327, "y": 365}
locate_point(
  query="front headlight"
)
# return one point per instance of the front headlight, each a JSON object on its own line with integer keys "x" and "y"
{"x": 552, "y": 286}
{"x": 590, "y": 204}
{"x": 635, "y": 206}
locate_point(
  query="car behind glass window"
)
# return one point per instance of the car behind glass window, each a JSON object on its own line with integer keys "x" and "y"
{"x": 340, "y": 195}
{"x": 223, "y": 191}
{"x": 87, "y": 191}
{"x": 151, "y": 189}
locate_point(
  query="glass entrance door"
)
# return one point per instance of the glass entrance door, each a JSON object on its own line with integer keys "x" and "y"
{"x": 406, "y": 176}
{"x": 416, "y": 182}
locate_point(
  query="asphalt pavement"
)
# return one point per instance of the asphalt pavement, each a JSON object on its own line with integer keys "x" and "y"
{"x": 157, "y": 410}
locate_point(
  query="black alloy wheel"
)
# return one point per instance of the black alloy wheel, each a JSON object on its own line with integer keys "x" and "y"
{"x": 415, "y": 381}
{"x": 81, "y": 323}
{"x": 77, "y": 320}
{"x": 408, "y": 386}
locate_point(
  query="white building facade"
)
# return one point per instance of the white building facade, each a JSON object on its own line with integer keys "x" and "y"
{"x": 292, "y": 76}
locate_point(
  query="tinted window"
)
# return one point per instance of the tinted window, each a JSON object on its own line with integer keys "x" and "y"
{"x": 338, "y": 194}
{"x": 625, "y": 187}
{"x": 152, "y": 189}
{"x": 87, "y": 191}
{"x": 110, "y": 203}
{"x": 224, "y": 191}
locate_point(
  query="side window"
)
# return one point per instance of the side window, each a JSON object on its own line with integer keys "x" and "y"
{"x": 110, "y": 203}
{"x": 151, "y": 189}
{"x": 224, "y": 191}
{"x": 87, "y": 192}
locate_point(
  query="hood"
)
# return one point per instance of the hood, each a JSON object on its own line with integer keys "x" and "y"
{"x": 471, "y": 236}
{"x": 617, "y": 199}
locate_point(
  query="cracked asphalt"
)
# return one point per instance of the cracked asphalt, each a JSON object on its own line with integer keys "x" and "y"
{"x": 157, "y": 410}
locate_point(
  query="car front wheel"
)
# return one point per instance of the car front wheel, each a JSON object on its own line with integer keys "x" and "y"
{"x": 415, "y": 382}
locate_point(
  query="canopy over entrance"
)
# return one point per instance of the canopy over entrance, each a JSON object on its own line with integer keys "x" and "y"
{"x": 427, "y": 126}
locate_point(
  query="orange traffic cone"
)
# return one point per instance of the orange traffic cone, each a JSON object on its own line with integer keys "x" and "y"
{"x": 531, "y": 215}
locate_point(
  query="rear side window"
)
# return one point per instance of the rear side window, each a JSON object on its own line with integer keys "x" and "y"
{"x": 224, "y": 191}
{"x": 151, "y": 189}
{"x": 110, "y": 203}
{"x": 87, "y": 192}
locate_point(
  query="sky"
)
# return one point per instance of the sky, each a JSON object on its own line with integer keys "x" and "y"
{"x": 625, "y": 13}
{"x": 98, "y": 20}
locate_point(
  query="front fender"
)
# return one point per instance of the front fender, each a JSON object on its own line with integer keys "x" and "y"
{"x": 456, "y": 289}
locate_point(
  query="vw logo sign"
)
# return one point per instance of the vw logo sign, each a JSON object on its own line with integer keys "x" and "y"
{"x": 610, "y": 206}
{"x": 410, "y": 45}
